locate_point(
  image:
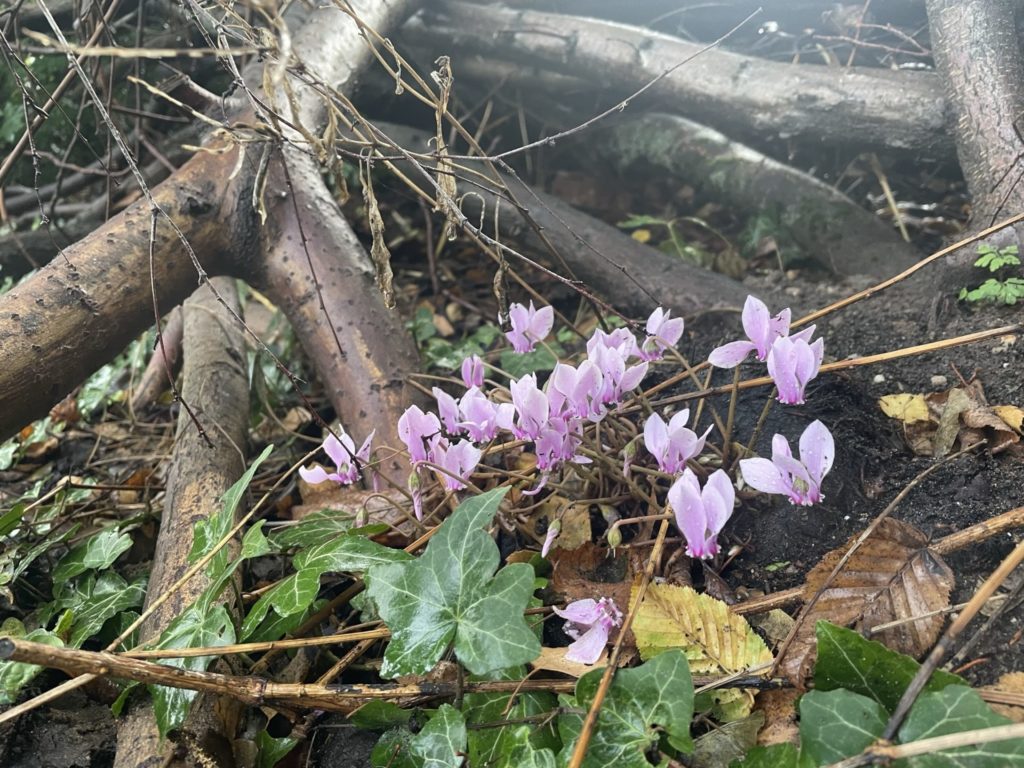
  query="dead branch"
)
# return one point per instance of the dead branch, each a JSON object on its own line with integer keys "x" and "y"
{"x": 215, "y": 381}
{"x": 751, "y": 96}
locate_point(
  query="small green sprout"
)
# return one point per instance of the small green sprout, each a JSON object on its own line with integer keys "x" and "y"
{"x": 1005, "y": 290}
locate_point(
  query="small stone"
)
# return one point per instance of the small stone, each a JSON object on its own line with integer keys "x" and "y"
{"x": 939, "y": 381}
{"x": 879, "y": 378}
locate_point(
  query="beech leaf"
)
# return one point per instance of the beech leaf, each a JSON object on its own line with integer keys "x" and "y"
{"x": 451, "y": 594}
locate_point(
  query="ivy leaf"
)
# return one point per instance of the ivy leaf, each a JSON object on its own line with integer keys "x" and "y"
{"x": 380, "y": 716}
{"x": 489, "y": 746}
{"x": 954, "y": 709}
{"x": 95, "y": 553}
{"x": 348, "y": 554}
{"x": 846, "y": 659}
{"x": 94, "y": 599}
{"x": 775, "y": 756}
{"x": 641, "y": 702}
{"x": 316, "y": 527}
{"x": 273, "y": 750}
{"x": 521, "y": 752}
{"x": 517, "y": 365}
{"x": 448, "y": 594}
{"x": 15, "y": 675}
{"x": 192, "y": 629}
{"x": 288, "y": 597}
{"x": 440, "y": 744}
{"x": 838, "y": 724}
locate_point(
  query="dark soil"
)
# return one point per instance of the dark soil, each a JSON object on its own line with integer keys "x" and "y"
{"x": 72, "y": 732}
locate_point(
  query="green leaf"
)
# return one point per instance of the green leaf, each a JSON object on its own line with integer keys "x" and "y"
{"x": 440, "y": 744}
{"x": 521, "y": 752}
{"x": 288, "y": 597}
{"x": 641, "y": 703}
{"x": 192, "y": 629}
{"x": 641, "y": 220}
{"x": 8, "y": 451}
{"x": 320, "y": 526}
{"x": 848, "y": 660}
{"x": 275, "y": 626}
{"x": 838, "y": 724}
{"x": 254, "y": 543}
{"x": 95, "y": 599}
{"x": 15, "y": 675}
{"x": 208, "y": 533}
{"x": 775, "y": 756}
{"x": 273, "y": 750}
{"x": 488, "y": 745}
{"x": 380, "y": 716}
{"x": 448, "y": 595}
{"x": 517, "y": 365}
{"x": 952, "y": 710}
{"x": 95, "y": 553}
{"x": 347, "y": 554}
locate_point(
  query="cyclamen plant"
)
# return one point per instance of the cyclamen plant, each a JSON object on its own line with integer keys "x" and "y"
{"x": 558, "y": 415}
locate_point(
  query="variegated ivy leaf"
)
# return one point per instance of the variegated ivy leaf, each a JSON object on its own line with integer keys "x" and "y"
{"x": 96, "y": 553}
{"x": 451, "y": 594}
{"x": 441, "y": 744}
{"x": 94, "y": 599}
{"x": 642, "y": 702}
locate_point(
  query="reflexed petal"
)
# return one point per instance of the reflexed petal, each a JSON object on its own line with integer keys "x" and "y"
{"x": 779, "y": 325}
{"x": 671, "y": 331}
{"x": 719, "y": 498}
{"x": 756, "y": 324}
{"x": 655, "y": 320}
{"x": 817, "y": 450}
{"x": 473, "y": 371}
{"x": 730, "y": 355}
{"x": 589, "y": 647}
{"x": 541, "y": 322}
{"x": 337, "y": 449}
{"x": 363, "y": 454}
{"x": 688, "y": 506}
{"x": 805, "y": 334}
{"x": 585, "y": 611}
{"x": 806, "y": 364}
{"x": 780, "y": 446}
{"x": 314, "y": 476}
{"x": 656, "y": 437}
{"x": 448, "y": 409}
{"x": 782, "y": 361}
{"x": 678, "y": 420}
{"x": 632, "y": 377}
{"x": 764, "y": 476}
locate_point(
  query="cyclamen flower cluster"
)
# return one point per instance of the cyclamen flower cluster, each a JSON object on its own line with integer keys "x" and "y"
{"x": 551, "y": 417}
{"x": 793, "y": 361}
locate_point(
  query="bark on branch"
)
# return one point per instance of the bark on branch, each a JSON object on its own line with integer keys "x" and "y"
{"x": 731, "y": 92}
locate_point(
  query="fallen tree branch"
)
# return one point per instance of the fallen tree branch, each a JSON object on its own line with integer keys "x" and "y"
{"x": 215, "y": 381}
{"x": 731, "y": 92}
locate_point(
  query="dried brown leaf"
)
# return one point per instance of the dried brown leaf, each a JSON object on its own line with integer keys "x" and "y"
{"x": 892, "y": 576}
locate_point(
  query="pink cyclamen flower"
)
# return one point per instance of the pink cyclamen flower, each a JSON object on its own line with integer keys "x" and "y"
{"x": 457, "y": 459}
{"x": 800, "y": 480}
{"x": 415, "y": 426}
{"x": 589, "y": 622}
{"x": 621, "y": 339}
{"x": 701, "y": 514}
{"x": 532, "y": 407}
{"x": 482, "y": 419}
{"x": 473, "y": 372}
{"x": 617, "y": 377}
{"x": 663, "y": 332}
{"x": 761, "y": 329}
{"x": 342, "y": 451}
{"x": 792, "y": 363}
{"x": 529, "y": 325}
{"x": 672, "y": 444}
{"x": 576, "y": 392}
{"x": 448, "y": 410}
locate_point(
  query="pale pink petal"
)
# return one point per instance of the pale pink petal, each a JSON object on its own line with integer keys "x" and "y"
{"x": 756, "y": 324}
{"x": 632, "y": 377}
{"x": 314, "y": 476}
{"x": 678, "y": 420}
{"x": 804, "y": 335}
{"x": 655, "y": 320}
{"x": 780, "y": 446}
{"x": 448, "y": 409}
{"x": 541, "y": 322}
{"x": 817, "y": 450}
{"x": 719, "y": 497}
{"x": 363, "y": 454}
{"x": 730, "y": 355}
{"x": 340, "y": 451}
{"x": 656, "y": 436}
{"x": 764, "y": 476}
{"x": 589, "y": 647}
{"x": 585, "y": 611}
{"x": 782, "y": 361}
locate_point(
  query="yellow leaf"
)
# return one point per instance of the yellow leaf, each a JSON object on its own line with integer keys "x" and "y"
{"x": 641, "y": 235}
{"x": 909, "y": 409}
{"x": 1011, "y": 414}
{"x": 716, "y": 641}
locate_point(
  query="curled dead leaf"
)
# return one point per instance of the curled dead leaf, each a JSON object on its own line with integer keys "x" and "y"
{"x": 892, "y": 576}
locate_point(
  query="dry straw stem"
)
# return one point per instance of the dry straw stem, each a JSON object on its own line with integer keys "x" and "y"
{"x": 580, "y": 752}
{"x": 883, "y": 754}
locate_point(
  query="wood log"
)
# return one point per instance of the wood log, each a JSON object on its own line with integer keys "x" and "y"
{"x": 215, "y": 383}
{"x": 629, "y": 275}
{"x": 751, "y": 98}
{"x": 978, "y": 57}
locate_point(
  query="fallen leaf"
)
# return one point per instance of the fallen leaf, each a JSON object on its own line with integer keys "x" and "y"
{"x": 594, "y": 572}
{"x": 779, "y": 708}
{"x": 1011, "y": 682}
{"x": 553, "y": 660}
{"x": 1011, "y": 414}
{"x": 716, "y": 641}
{"x": 892, "y": 576}
{"x": 909, "y": 409}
